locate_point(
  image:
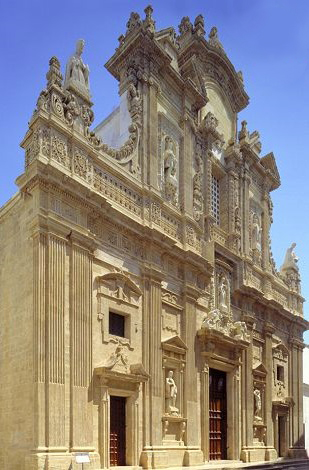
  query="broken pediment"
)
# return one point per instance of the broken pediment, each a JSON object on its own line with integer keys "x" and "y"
{"x": 120, "y": 286}
{"x": 269, "y": 163}
{"x": 280, "y": 352}
{"x": 117, "y": 366}
{"x": 221, "y": 324}
{"x": 174, "y": 344}
{"x": 260, "y": 370}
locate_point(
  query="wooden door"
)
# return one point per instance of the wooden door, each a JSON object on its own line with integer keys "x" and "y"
{"x": 117, "y": 431}
{"x": 217, "y": 415}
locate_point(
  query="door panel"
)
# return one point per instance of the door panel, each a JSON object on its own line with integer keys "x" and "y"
{"x": 217, "y": 415}
{"x": 117, "y": 431}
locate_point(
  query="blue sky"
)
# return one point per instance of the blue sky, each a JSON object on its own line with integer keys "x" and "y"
{"x": 267, "y": 39}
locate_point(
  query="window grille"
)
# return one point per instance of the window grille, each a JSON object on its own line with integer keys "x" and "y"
{"x": 215, "y": 199}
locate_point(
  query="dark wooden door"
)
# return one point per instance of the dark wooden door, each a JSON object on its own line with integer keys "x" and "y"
{"x": 117, "y": 431}
{"x": 217, "y": 415}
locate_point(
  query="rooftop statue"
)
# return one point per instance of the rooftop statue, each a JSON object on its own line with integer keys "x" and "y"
{"x": 77, "y": 73}
{"x": 290, "y": 260}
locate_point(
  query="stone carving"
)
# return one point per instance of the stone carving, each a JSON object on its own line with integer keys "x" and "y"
{"x": 214, "y": 40}
{"x": 197, "y": 185}
{"x": 71, "y": 108}
{"x": 170, "y": 395}
{"x": 77, "y": 73}
{"x": 53, "y": 75}
{"x": 199, "y": 25}
{"x": 185, "y": 25}
{"x": 126, "y": 155}
{"x": 134, "y": 103}
{"x": 119, "y": 285}
{"x": 118, "y": 361}
{"x": 170, "y": 170}
{"x": 149, "y": 23}
{"x": 134, "y": 22}
{"x": 223, "y": 293}
{"x": 256, "y": 233}
{"x": 222, "y": 323}
{"x": 257, "y": 404}
{"x": 290, "y": 260}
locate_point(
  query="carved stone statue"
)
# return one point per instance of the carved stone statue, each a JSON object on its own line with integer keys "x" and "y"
{"x": 223, "y": 293}
{"x": 170, "y": 170}
{"x": 77, "y": 73}
{"x": 170, "y": 395}
{"x": 256, "y": 233}
{"x": 290, "y": 260}
{"x": 257, "y": 404}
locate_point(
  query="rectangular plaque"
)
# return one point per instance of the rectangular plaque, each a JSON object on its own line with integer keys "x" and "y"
{"x": 82, "y": 458}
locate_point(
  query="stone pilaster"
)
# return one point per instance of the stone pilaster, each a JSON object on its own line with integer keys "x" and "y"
{"x": 81, "y": 422}
{"x": 265, "y": 231}
{"x": 296, "y": 444}
{"x": 271, "y": 452}
{"x": 152, "y": 360}
{"x": 246, "y": 211}
{"x": 152, "y": 128}
{"x": 39, "y": 323}
{"x": 205, "y": 411}
{"x": 247, "y": 399}
{"x": 55, "y": 345}
{"x": 188, "y": 333}
{"x": 186, "y": 173}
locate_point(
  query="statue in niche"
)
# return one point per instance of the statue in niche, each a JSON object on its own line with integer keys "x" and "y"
{"x": 77, "y": 73}
{"x": 134, "y": 99}
{"x": 290, "y": 260}
{"x": 256, "y": 233}
{"x": 171, "y": 395}
{"x": 257, "y": 404}
{"x": 223, "y": 292}
{"x": 170, "y": 170}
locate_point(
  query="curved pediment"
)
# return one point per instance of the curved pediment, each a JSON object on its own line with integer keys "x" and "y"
{"x": 120, "y": 286}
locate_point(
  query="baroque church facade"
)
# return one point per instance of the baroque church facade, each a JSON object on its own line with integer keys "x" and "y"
{"x": 149, "y": 325}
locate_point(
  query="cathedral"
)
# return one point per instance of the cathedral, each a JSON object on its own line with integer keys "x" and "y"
{"x": 152, "y": 328}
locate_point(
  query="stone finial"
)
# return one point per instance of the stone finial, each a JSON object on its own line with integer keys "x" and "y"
{"x": 243, "y": 133}
{"x": 134, "y": 22}
{"x": 240, "y": 76}
{"x": 214, "y": 39}
{"x": 148, "y": 22}
{"x": 53, "y": 75}
{"x": 185, "y": 26}
{"x": 199, "y": 25}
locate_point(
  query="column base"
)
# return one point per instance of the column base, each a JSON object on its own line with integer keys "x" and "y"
{"x": 193, "y": 457}
{"x": 297, "y": 453}
{"x": 154, "y": 459}
{"x": 253, "y": 454}
{"x": 271, "y": 454}
{"x": 59, "y": 460}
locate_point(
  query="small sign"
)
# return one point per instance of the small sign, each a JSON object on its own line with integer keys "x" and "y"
{"x": 82, "y": 458}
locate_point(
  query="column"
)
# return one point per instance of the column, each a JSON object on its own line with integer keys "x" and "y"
{"x": 205, "y": 411}
{"x": 81, "y": 425}
{"x": 104, "y": 425}
{"x": 271, "y": 453}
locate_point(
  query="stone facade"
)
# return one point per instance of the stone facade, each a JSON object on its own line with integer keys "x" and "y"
{"x": 143, "y": 272}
